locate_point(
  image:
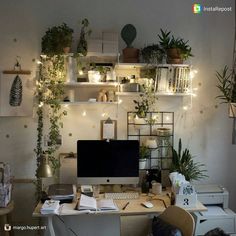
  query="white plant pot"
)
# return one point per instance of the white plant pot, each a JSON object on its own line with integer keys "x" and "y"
{"x": 142, "y": 164}
{"x": 232, "y": 110}
{"x": 139, "y": 123}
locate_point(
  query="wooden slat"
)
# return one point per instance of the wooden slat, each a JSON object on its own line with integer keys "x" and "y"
{"x": 23, "y": 181}
{"x": 15, "y": 72}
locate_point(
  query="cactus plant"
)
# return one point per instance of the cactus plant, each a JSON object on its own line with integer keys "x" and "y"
{"x": 128, "y": 34}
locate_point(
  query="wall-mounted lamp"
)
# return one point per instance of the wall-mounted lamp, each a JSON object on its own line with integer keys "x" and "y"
{"x": 44, "y": 169}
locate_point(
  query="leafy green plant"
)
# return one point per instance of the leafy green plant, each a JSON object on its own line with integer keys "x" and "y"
{"x": 56, "y": 39}
{"x": 152, "y": 54}
{"x": 226, "y": 85}
{"x": 49, "y": 92}
{"x": 147, "y": 101}
{"x": 144, "y": 152}
{"x": 128, "y": 34}
{"x": 82, "y": 47}
{"x": 168, "y": 41}
{"x": 183, "y": 163}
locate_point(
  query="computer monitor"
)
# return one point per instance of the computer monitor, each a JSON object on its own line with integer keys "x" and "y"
{"x": 107, "y": 162}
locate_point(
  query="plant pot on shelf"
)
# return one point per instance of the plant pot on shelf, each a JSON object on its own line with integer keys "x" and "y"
{"x": 143, "y": 163}
{"x": 130, "y": 55}
{"x": 174, "y": 56}
{"x": 232, "y": 110}
{"x": 139, "y": 122}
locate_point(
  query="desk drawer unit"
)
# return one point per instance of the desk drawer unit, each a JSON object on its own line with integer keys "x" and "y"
{"x": 206, "y": 223}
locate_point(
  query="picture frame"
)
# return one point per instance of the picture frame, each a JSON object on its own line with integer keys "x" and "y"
{"x": 108, "y": 129}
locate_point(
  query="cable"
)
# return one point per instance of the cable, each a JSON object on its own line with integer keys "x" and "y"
{"x": 72, "y": 231}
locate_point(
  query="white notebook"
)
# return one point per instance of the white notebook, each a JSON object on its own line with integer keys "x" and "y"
{"x": 90, "y": 203}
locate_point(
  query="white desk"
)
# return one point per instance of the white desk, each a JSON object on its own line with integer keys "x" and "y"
{"x": 100, "y": 223}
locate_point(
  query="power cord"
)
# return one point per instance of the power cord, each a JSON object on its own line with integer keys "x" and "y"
{"x": 71, "y": 230}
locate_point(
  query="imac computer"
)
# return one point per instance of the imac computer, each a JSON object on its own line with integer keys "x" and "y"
{"x": 107, "y": 162}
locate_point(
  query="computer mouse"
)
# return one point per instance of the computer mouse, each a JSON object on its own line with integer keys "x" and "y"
{"x": 147, "y": 204}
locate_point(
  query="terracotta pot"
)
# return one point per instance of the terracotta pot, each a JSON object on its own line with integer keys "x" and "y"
{"x": 174, "y": 56}
{"x": 66, "y": 50}
{"x": 131, "y": 55}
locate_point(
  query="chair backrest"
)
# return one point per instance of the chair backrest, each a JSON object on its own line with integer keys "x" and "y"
{"x": 180, "y": 218}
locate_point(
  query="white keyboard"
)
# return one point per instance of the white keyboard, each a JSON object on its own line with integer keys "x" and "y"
{"x": 127, "y": 195}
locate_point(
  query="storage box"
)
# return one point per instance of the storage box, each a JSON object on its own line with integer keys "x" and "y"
{"x": 110, "y": 47}
{"x": 94, "y": 46}
{"x": 226, "y": 222}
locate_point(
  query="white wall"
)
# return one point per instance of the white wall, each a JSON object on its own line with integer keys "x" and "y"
{"x": 205, "y": 129}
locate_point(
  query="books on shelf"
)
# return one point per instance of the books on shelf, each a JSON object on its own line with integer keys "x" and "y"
{"x": 173, "y": 79}
{"x": 50, "y": 207}
{"x": 90, "y": 203}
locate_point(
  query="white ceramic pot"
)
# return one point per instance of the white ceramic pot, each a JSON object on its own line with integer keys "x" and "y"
{"x": 143, "y": 164}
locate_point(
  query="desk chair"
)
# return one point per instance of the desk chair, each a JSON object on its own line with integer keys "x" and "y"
{"x": 179, "y": 218}
{"x": 5, "y": 218}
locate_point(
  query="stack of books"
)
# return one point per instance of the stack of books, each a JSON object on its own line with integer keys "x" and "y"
{"x": 173, "y": 79}
{"x": 50, "y": 207}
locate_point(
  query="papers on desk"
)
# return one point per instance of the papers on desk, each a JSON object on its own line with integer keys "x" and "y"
{"x": 90, "y": 203}
{"x": 50, "y": 207}
{"x": 214, "y": 211}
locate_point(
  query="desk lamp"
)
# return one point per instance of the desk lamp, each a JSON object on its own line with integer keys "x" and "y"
{"x": 44, "y": 169}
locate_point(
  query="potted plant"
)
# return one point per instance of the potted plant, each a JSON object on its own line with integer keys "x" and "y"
{"x": 57, "y": 40}
{"x": 82, "y": 47}
{"x": 144, "y": 154}
{"x": 152, "y": 54}
{"x": 227, "y": 86}
{"x": 130, "y": 54}
{"x": 147, "y": 101}
{"x": 176, "y": 49}
{"x": 183, "y": 163}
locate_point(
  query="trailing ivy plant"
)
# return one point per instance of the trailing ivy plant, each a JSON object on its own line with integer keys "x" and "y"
{"x": 49, "y": 92}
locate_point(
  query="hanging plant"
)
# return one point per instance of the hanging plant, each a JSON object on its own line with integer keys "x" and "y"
{"x": 49, "y": 92}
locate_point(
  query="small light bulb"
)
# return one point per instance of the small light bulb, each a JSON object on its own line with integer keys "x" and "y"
{"x": 185, "y": 108}
{"x": 103, "y": 114}
{"x": 194, "y": 94}
{"x": 40, "y": 104}
{"x": 120, "y": 101}
{"x": 195, "y": 89}
{"x": 84, "y": 113}
{"x": 38, "y": 62}
{"x": 65, "y": 105}
{"x": 195, "y": 71}
{"x": 81, "y": 72}
{"x": 167, "y": 118}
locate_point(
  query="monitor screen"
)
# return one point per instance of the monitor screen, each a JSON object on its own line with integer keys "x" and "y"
{"x": 108, "y": 162}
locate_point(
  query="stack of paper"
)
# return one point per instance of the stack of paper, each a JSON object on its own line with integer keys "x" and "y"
{"x": 50, "y": 207}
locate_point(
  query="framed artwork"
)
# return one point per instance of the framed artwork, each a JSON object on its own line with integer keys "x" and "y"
{"x": 108, "y": 129}
{"x": 16, "y": 94}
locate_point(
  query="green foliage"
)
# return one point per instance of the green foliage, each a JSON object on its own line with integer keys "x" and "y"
{"x": 168, "y": 41}
{"x": 183, "y": 163}
{"x": 128, "y": 34}
{"x": 55, "y": 39}
{"x": 226, "y": 85}
{"x": 144, "y": 152}
{"x": 147, "y": 101}
{"x": 152, "y": 54}
{"x": 82, "y": 47}
{"x": 49, "y": 92}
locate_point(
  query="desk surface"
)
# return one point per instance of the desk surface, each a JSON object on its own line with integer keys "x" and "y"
{"x": 134, "y": 207}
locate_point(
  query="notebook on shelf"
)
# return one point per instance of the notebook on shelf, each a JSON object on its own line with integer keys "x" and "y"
{"x": 90, "y": 203}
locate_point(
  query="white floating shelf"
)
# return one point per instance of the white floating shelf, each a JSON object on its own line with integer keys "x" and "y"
{"x": 133, "y": 65}
{"x": 83, "y": 84}
{"x": 87, "y": 102}
{"x": 158, "y": 94}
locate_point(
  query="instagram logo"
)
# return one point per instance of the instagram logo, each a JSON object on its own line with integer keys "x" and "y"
{"x": 7, "y": 227}
{"x": 197, "y": 8}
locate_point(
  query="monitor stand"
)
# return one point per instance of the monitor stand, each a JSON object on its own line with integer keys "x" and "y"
{"x": 111, "y": 188}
